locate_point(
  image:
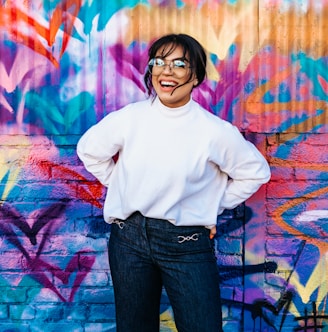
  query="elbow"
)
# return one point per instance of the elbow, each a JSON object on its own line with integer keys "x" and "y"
{"x": 264, "y": 175}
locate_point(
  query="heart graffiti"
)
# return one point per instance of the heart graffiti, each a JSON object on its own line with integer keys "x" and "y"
{"x": 38, "y": 269}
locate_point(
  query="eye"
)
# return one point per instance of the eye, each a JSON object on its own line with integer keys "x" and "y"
{"x": 158, "y": 62}
{"x": 179, "y": 64}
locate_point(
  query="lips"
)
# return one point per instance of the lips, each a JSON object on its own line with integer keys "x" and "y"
{"x": 168, "y": 84}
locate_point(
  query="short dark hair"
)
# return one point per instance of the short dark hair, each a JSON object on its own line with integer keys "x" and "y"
{"x": 190, "y": 46}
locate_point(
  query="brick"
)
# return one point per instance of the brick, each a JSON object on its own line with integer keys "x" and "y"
{"x": 18, "y": 279}
{"x": 49, "y": 312}
{"x": 33, "y": 172}
{"x": 46, "y": 189}
{"x": 16, "y": 327}
{"x": 225, "y": 311}
{"x": 4, "y": 312}
{"x": 10, "y": 261}
{"x": 92, "y": 225}
{"x": 227, "y": 292}
{"x": 317, "y": 174}
{"x": 273, "y": 204}
{"x": 98, "y": 212}
{"x": 283, "y": 262}
{"x": 15, "y": 192}
{"x": 232, "y": 326}
{"x": 84, "y": 211}
{"x": 43, "y": 295}
{"x": 104, "y": 295}
{"x": 102, "y": 312}
{"x": 280, "y": 173}
{"x": 282, "y": 246}
{"x": 288, "y": 138}
{"x": 273, "y": 139}
{"x": 314, "y": 139}
{"x": 101, "y": 263}
{"x": 278, "y": 279}
{"x": 97, "y": 279}
{"x": 58, "y": 173}
{"x": 75, "y": 312}
{"x": 67, "y": 155}
{"x": 16, "y": 140}
{"x": 314, "y": 154}
{"x": 229, "y": 260}
{"x": 275, "y": 230}
{"x": 76, "y": 243}
{"x": 55, "y": 327}
{"x": 100, "y": 327}
{"x": 86, "y": 176}
{"x": 57, "y": 261}
{"x": 228, "y": 245}
{"x": 235, "y": 314}
{"x": 22, "y": 312}
{"x": 293, "y": 189}
{"x": 13, "y": 295}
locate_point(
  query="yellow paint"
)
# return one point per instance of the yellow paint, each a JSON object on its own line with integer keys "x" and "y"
{"x": 317, "y": 280}
{"x": 167, "y": 322}
{"x": 11, "y": 158}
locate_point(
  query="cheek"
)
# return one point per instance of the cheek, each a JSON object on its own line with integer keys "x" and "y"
{"x": 188, "y": 87}
{"x": 153, "y": 81}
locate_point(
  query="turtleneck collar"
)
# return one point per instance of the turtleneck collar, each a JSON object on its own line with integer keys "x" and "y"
{"x": 172, "y": 111}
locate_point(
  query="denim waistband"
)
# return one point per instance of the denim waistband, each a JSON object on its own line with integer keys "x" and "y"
{"x": 139, "y": 219}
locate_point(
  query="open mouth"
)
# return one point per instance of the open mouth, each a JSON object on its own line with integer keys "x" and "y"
{"x": 168, "y": 84}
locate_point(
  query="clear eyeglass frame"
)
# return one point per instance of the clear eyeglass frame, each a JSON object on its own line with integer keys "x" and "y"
{"x": 180, "y": 67}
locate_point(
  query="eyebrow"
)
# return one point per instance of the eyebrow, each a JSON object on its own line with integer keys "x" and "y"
{"x": 180, "y": 58}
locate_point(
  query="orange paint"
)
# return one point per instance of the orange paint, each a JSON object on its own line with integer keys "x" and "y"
{"x": 279, "y": 220}
{"x": 11, "y": 19}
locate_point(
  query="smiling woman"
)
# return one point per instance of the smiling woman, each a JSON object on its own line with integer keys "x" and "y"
{"x": 176, "y": 61}
{"x": 172, "y": 79}
{"x": 179, "y": 166}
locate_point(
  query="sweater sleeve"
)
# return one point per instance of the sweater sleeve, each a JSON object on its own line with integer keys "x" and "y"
{"x": 97, "y": 147}
{"x": 246, "y": 167}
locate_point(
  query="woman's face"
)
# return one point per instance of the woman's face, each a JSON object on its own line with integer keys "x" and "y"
{"x": 170, "y": 84}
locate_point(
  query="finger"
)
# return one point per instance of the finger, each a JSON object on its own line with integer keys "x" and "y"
{"x": 212, "y": 232}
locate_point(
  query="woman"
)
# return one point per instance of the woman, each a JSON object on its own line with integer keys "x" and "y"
{"x": 178, "y": 168}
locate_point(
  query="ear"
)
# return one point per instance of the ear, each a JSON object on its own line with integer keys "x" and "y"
{"x": 195, "y": 82}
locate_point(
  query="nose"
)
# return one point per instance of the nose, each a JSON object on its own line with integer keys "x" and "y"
{"x": 169, "y": 66}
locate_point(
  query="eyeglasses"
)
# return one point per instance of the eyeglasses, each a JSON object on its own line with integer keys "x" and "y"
{"x": 179, "y": 66}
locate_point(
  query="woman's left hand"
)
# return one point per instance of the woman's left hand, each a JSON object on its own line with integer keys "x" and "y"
{"x": 212, "y": 232}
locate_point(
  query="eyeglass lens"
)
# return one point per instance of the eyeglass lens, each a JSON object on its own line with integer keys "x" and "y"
{"x": 157, "y": 65}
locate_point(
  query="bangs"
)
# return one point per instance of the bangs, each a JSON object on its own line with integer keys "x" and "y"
{"x": 167, "y": 49}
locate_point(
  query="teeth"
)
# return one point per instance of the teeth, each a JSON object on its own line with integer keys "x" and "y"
{"x": 168, "y": 83}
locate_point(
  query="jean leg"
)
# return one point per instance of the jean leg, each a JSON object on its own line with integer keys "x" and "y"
{"x": 193, "y": 291}
{"x": 190, "y": 275}
{"x": 136, "y": 281}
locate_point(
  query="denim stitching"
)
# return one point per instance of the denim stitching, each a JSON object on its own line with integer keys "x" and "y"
{"x": 194, "y": 237}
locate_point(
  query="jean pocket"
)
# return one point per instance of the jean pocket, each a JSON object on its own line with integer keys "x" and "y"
{"x": 126, "y": 233}
{"x": 186, "y": 241}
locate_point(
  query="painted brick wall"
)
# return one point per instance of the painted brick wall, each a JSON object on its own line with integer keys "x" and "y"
{"x": 66, "y": 64}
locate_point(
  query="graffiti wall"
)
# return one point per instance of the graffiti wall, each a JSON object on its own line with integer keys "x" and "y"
{"x": 65, "y": 64}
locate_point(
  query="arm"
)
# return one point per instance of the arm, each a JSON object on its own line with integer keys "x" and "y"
{"x": 98, "y": 145}
{"x": 246, "y": 168}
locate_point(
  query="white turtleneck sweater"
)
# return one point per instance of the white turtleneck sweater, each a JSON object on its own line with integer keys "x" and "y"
{"x": 182, "y": 164}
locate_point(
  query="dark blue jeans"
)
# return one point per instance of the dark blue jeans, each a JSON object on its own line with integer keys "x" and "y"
{"x": 146, "y": 254}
